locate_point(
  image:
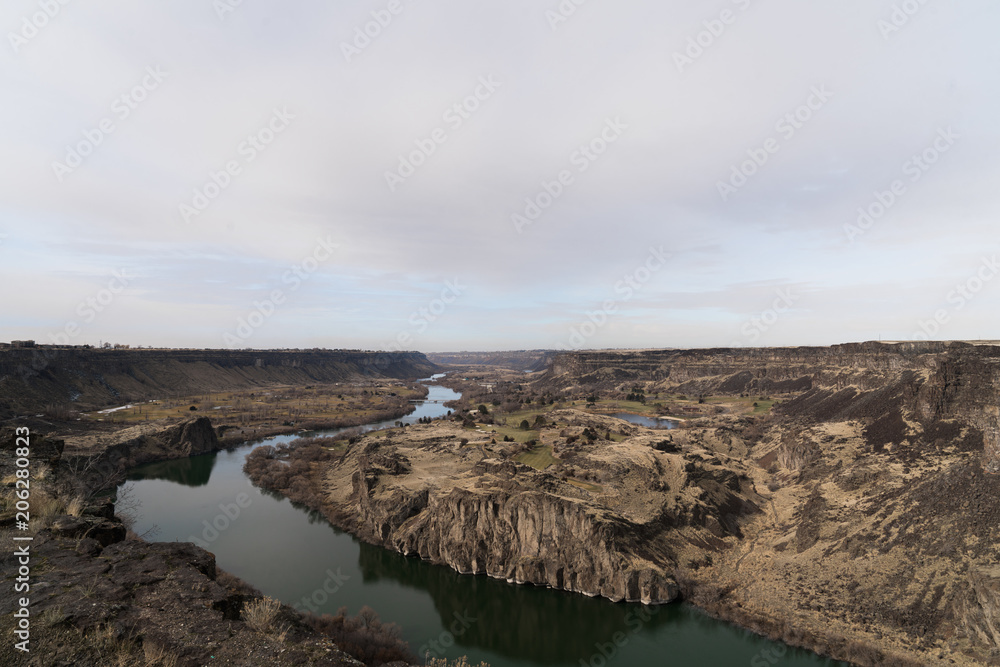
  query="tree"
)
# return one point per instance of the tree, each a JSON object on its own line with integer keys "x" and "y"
{"x": 483, "y": 410}
{"x": 525, "y": 425}
{"x": 539, "y": 420}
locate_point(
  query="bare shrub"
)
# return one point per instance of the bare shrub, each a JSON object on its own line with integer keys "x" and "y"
{"x": 364, "y": 636}
{"x": 260, "y": 614}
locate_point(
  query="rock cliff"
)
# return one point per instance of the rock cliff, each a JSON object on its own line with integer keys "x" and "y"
{"x": 33, "y": 378}
{"x": 472, "y": 508}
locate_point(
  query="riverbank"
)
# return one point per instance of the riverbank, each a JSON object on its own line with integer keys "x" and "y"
{"x": 99, "y": 595}
{"x": 102, "y": 595}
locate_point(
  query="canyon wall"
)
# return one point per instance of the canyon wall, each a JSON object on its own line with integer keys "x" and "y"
{"x": 874, "y": 382}
{"x": 86, "y": 378}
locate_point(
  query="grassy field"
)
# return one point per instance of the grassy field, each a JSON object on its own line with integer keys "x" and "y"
{"x": 539, "y": 457}
{"x": 279, "y": 403}
{"x": 512, "y": 432}
{"x": 586, "y": 486}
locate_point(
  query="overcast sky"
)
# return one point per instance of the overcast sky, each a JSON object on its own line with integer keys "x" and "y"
{"x": 517, "y": 174}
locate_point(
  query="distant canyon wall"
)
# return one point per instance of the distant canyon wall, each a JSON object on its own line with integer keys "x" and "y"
{"x": 32, "y": 378}
{"x": 931, "y": 381}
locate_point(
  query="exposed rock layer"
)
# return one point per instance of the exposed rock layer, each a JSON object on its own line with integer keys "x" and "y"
{"x": 31, "y": 379}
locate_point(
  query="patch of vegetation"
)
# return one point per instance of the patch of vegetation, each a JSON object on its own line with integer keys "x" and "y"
{"x": 364, "y": 636}
{"x": 538, "y": 457}
{"x": 586, "y": 486}
{"x": 261, "y": 614}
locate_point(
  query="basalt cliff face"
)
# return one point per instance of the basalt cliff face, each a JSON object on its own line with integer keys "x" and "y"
{"x": 475, "y": 509}
{"x": 511, "y": 532}
{"x": 33, "y": 378}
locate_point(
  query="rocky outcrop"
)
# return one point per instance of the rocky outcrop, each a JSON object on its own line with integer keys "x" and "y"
{"x": 529, "y": 537}
{"x": 476, "y": 510}
{"x": 134, "y": 446}
{"x": 100, "y": 599}
{"x": 759, "y": 370}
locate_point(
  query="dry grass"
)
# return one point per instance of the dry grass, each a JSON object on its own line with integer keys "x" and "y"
{"x": 112, "y": 648}
{"x": 45, "y": 508}
{"x": 75, "y": 506}
{"x": 88, "y": 590}
{"x": 461, "y": 662}
{"x": 157, "y": 656}
{"x": 586, "y": 486}
{"x": 261, "y": 614}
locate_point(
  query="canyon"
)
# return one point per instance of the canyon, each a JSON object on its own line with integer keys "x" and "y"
{"x": 856, "y": 516}
{"x": 844, "y": 499}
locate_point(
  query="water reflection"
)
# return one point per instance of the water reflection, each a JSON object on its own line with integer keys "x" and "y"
{"x": 648, "y": 422}
{"x": 530, "y": 623}
{"x": 192, "y": 471}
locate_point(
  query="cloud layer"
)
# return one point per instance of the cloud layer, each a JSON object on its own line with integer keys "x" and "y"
{"x": 319, "y": 174}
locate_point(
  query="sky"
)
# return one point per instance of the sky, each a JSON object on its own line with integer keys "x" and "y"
{"x": 443, "y": 176}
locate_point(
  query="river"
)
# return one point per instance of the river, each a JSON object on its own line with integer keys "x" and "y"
{"x": 296, "y": 556}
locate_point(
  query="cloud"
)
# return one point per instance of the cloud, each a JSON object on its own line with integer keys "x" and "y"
{"x": 558, "y": 83}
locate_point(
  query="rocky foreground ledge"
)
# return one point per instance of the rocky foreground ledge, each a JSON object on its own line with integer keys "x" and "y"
{"x": 99, "y": 595}
{"x": 101, "y": 599}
